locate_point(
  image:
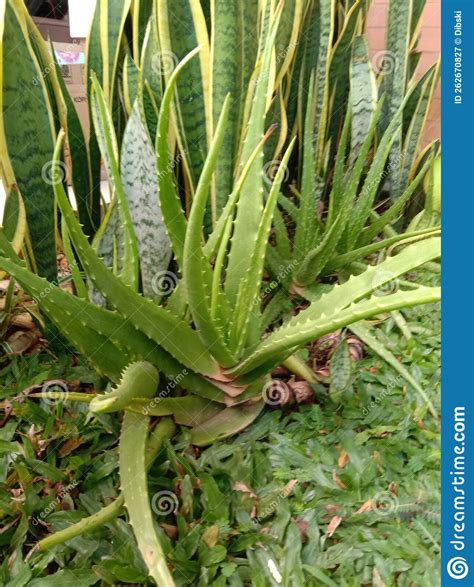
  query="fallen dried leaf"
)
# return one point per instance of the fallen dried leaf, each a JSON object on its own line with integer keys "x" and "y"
{"x": 333, "y": 525}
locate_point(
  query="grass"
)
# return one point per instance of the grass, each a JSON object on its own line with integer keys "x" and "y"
{"x": 336, "y": 494}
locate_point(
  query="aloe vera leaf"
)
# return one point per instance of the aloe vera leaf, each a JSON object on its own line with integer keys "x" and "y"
{"x": 214, "y": 240}
{"x": 139, "y": 379}
{"x": 134, "y": 485}
{"x": 126, "y": 342}
{"x": 29, "y": 131}
{"x": 171, "y": 207}
{"x": 182, "y": 28}
{"x": 250, "y": 205}
{"x": 109, "y": 148}
{"x": 390, "y": 215}
{"x": 364, "y": 203}
{"x": 252, "y": 281}
{"x": 156, "y": 322}
{"x": 196, "y": 270}
{"x": 163, "y": 430}
{"x": 96, "y": 348}
{"x": 317, "y": 258}
{"x": 362, "y": 332}
{"x": 363, "y": 94}
{"x": 140, "y": 182}
{"x": 348, "y": 258}
{"x": 414, "y": 132}
{"x": 188, "y": 410}
{"x": 228, "y": 422}
{"x": 282, "y": 342}
{"x": 306, "y": 226}
{"x": 374, "y": 277}
{"x": 79, "y": 285}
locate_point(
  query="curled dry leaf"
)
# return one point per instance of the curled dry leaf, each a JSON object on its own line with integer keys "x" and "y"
{"x": 333, "y": 525}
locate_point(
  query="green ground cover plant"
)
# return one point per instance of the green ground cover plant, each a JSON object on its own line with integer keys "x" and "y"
{"x": 259, "y": 203}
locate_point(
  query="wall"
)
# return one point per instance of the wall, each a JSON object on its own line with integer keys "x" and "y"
{"x": 429, "y": 44}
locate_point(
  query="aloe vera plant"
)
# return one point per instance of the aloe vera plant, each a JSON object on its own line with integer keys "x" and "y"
{"x": 218, "y": 333}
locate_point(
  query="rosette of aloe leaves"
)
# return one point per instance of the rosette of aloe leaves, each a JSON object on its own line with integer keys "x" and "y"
{"x": 187, "y": 155}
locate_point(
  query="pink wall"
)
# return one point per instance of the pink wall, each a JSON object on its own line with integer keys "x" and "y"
{"x": 429, "y": 44}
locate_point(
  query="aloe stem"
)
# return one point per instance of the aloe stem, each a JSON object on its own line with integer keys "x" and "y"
{"x": 300, "y": 368}
{"x": 164, "y": 429}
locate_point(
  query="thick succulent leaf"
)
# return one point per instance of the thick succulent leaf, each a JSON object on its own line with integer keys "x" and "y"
{"x": 395, "y": 76}
{"x": 228, "y": 422}
{"x": 249, "y": 296}
{"x": 134, "y": 484}
{"x": 156, "y": 322}
{"x": 250, "y": 205}
{"x": 196, "y": 270}
{"x": 363, "y": 94}
{"x": 140, "y": 183}
{"x": 171, "y": 207}
{"x": 413, "y": 136}
{"x": 296, "y": 333}
{"x": 372, "y": 279}
{"x": 28, "y": 125}
{"x": 347, "y": 258}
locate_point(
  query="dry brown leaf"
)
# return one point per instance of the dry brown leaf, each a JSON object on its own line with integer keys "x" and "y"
{"x": 333, "y": 525}
{"x": 337, "y": 481}
{"x": 366, "y": 507}
{"x": 343, "y": 460}
{"x": 70, "y": 445}
{"x": 243, "y": 488}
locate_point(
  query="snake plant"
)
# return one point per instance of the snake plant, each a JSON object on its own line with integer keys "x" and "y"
{"x": 186, "y": 147}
